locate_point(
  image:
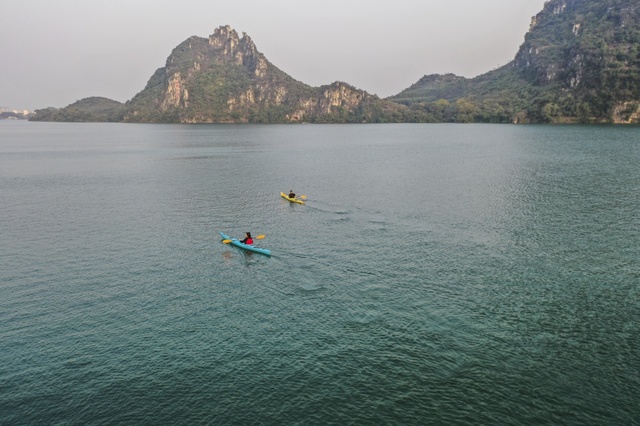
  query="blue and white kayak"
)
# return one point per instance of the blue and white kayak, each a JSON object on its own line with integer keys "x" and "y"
{"x": 250, "y": 247}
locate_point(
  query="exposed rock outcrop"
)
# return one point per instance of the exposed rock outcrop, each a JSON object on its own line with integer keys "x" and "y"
{"x": 580, "y": 62}
{"x": 225, "y": 79}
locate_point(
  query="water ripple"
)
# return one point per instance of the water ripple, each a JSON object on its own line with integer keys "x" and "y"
{"x": 437, "y": 274}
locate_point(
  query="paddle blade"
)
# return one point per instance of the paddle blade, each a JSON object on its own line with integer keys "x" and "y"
{"x": 304, "y": 197}
{"x": 259, "y": 237}
{"x": 226, "y": 241}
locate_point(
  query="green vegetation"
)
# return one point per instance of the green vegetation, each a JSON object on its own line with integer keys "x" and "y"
{"x": 579, "y": 63}
{"x": 94, "y": 109}
{"x": 210, "y": 90}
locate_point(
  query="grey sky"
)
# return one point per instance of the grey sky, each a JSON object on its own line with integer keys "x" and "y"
{"x": 54, "y": 52}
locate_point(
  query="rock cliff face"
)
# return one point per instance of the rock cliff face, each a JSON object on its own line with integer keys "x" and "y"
{"x": 570, "y": 39}
{"x": 225, "y": 79}
{"x": 588, "y": 49}
{"x": 579, "y": 62}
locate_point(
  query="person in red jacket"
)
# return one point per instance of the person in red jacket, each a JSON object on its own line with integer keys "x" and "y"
{"x": 247, "y": 239}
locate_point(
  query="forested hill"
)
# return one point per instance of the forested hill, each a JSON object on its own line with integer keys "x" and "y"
{"x": 225, "y": 79}
{"x": 579, "y": 62}
{"x": 85, "y": 110}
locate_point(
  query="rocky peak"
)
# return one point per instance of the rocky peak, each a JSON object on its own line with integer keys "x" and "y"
{"x": 224, "y": 37}
{"x": 241, "y": 51}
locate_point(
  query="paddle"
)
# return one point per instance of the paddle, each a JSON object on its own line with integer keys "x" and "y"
{"x": 259, "y": 237}
{"x": 304, "y": 197}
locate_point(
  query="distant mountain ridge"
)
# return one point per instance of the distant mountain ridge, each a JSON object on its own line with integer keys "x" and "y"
{"x": 579, "y": 63}
{"x": 225, "y": 79}
{"x": 89, "y": 109}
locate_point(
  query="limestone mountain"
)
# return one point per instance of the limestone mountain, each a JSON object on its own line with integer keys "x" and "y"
{"x": 579, "y": 62}
{"x": 225, "y": 79}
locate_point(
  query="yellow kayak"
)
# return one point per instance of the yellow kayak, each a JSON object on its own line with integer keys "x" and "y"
{"x": 292, "y": 200}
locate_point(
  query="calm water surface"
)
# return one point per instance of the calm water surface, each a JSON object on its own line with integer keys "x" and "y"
{"x": 439, "y": 274}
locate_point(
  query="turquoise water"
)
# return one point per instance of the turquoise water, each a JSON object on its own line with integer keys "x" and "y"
{"x": 439, "y": 274}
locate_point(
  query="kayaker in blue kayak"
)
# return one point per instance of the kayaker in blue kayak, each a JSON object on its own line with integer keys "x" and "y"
{"x": 292, "y": 194}
{"x": 247, "y": 239}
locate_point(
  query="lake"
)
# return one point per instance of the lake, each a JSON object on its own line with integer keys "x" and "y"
{"x": 438, "y": 274}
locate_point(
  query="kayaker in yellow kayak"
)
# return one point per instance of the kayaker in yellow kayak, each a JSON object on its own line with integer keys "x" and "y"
{"x": 292, "y": 194}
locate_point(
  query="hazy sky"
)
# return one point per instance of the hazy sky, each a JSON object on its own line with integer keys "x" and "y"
{"x": 55, "y": 52}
